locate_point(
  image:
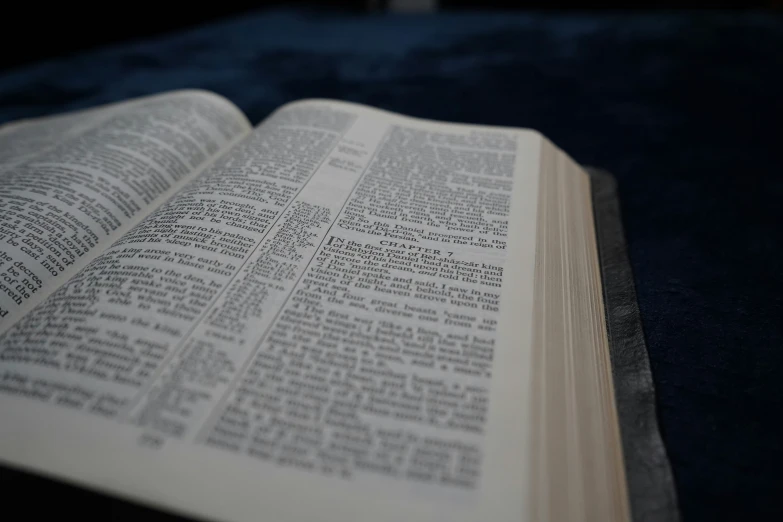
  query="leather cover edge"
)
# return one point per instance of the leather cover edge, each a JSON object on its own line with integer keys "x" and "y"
{"x": 651, "y": 485}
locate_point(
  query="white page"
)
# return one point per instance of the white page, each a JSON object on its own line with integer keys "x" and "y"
{"x": 203, "y": 295}
{"x": 71, "y": 184}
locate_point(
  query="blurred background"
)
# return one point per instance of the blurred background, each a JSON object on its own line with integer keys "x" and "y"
{"x": 65, "y": 27}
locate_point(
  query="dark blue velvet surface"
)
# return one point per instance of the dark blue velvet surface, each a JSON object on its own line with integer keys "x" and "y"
{"x": 684, "y": 109}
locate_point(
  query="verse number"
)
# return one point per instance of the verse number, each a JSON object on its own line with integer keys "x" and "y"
{"x": 152, "y": 441}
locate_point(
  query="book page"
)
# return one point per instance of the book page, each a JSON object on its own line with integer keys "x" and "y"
{"x": 332, "y": 322}
{"x": 71, "y": 184}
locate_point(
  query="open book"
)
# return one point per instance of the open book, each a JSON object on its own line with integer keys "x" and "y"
{"x": 341, "y": 314}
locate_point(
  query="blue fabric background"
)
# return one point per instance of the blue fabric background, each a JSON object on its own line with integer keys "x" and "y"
{"x": 685, "y": 109}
